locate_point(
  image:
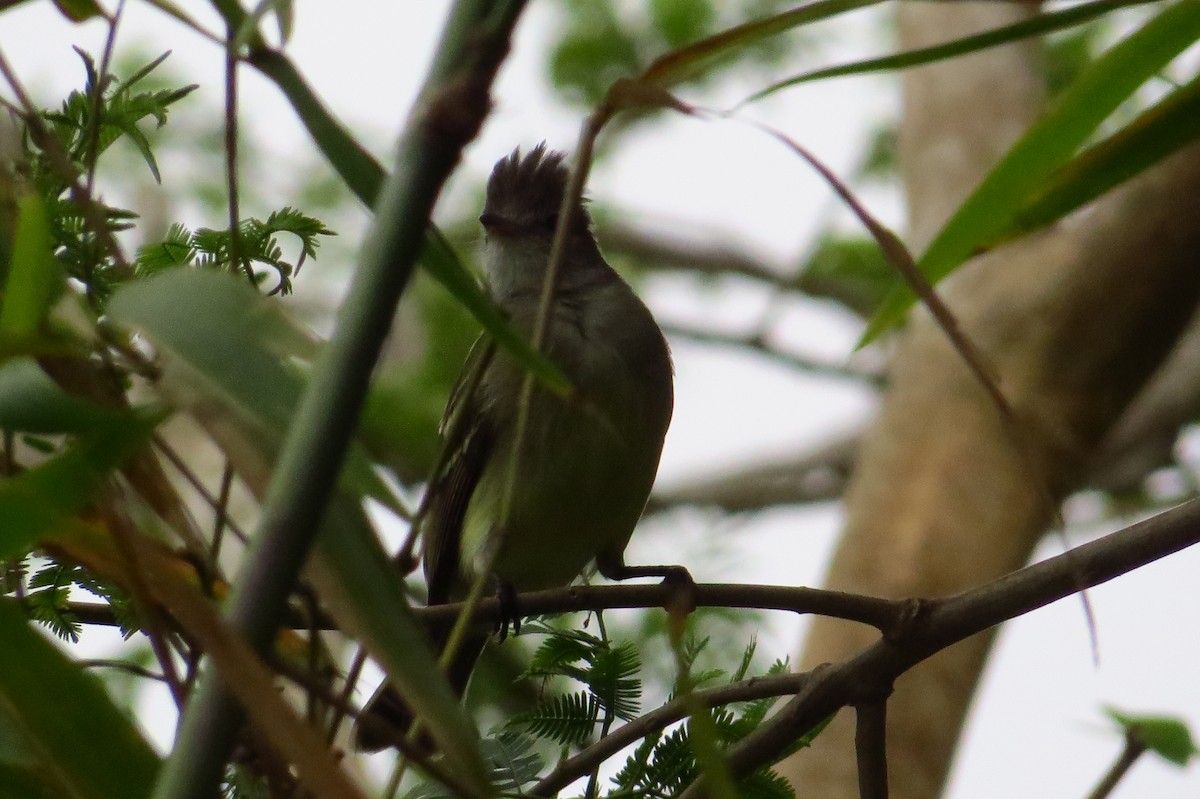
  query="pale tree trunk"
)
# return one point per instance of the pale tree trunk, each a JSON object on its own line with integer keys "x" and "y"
{"x": 1073, "y": 319}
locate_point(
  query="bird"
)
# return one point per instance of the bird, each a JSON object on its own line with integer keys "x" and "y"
{"x": 587, "y": 461}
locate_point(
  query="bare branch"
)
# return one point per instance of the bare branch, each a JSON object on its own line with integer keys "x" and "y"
{"x": 757, "y": 342}
{"x": 711, "y": 258}
{"x": 943, "y": 622}
{"x": 677, "y": 709}
{"x": 817, "y": 476}
{"x": 1133, "y": 749}
{"x": 870, "y": 746}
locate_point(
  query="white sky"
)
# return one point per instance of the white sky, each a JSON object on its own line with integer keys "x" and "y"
{"x": 1037, "y": 729}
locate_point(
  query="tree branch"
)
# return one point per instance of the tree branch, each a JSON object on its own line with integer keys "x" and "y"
{"x": 870, "y": 746}
{"x": 757, "y": 342}
{"x": 817, "y": 476}
{"x": 942, "y": 622}
{"x": 1134, "y": 748}
{"x": 884, "y": 615}
{"x": 677, "y": 709}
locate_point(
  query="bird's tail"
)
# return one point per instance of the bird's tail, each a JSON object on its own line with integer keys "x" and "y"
{"x": 386, "y": 720}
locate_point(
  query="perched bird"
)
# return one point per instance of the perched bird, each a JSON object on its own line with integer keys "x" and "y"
{"x": 587, "y": 462}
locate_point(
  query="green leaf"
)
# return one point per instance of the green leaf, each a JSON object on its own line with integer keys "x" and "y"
{"x": 1078, "y": 111}
{"x": 79, "y": 10}
{"x": 765, "y": 784}
{"x": 365, "y": 594}
{"x": 42, "y": 500}
{"x": 31, "y": 402}
{"x": 1155, "y": 134}
{"x": 35, "y": 278}
{"x": 685, "y": 63}
{"x": 237, "y": 344}
{"x": 566, "y": 719}
{"x": 1039, "y": 25}
{"x": 514, "y": 761}
{"x": 595, "y": 49}
{"x": 77, "y": 744}
{"x": 613, "y": 681}
{"x": 682, "y": 21}
{"x": 176, "y": 249}
{"x": 850, "y": 269}
{"x": 1167, "y": 737}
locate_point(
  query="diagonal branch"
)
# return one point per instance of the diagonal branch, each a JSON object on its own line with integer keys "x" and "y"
{"x": 943, "y": 622}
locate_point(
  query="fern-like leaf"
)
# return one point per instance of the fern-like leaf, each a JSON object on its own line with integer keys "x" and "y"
{"x": 568, "y": 719}
{"x": 612, "y": 679}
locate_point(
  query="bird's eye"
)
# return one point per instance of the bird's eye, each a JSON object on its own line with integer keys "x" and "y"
{"x": 550, "y": 221}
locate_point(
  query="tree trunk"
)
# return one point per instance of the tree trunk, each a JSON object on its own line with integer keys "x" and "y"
{"x": 1073, "y": 320}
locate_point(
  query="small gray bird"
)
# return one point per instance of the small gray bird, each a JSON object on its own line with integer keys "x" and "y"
{"x": 588, "y": 462}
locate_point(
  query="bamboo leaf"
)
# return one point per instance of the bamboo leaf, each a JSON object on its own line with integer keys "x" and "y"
{"x": 237, "y": 343}
{"x": 366, "y": 595}
{"x": 1039, "y": 25}
{"x": 45, "y": 499}
{"x": 1155, "y": 134}
{"x": 35, "y": 278}
{"x": 1049, "y": 143}
{"x": 72, "y": 741}
{"x": 33, "y": 403}
{"x": 684, "y": 63}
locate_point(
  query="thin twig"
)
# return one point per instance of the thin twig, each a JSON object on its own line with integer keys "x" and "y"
{"x": 102, "y": 81}
{"x": 236, "y": 261}
{"x": 190, "y": 476}
{"x": 347, "y": 694}
{"x": 937, "y": 624}
{"x": 870, "y": 748}
{"x": 885, "y": 615}
{"x": 221, "y": 520}
{"x": 1133, "y": 749}
{"x": 151, "y": 615}
{"x": 121, "y": 665}
{"x": 571, "y": 769}
{"x": 757, "y": 342}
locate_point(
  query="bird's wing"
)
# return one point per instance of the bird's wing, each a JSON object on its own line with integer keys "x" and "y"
{"x": 467, "y": 439}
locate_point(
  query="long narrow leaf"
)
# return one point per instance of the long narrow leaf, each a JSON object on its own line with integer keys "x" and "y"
{"x": 34, "y": 277}
{"x": 42, "y": 500}
{"x": 237, "y": 342}
{"x": 365, "y": 594}
{"x": 1151, "y": 137}
{"x": 33, "y": 403}
{"x": 1095, "y": 94}
{"x": 245, "y": 675}
{"x": 1039, "y": 25}
{"x": 686, "y": 62}
{"x": 361, "y": 589}
{"x": 82, "y": 745}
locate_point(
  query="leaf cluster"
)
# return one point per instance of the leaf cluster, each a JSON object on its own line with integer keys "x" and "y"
{"x": 609, "y": 674}
{"x": 69, "y": 431}
{"x": 49, "y": 592}
{"x": 255, "y": 243}
{"x": 61, "y": 149}
{"x": 666, "y": 762}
